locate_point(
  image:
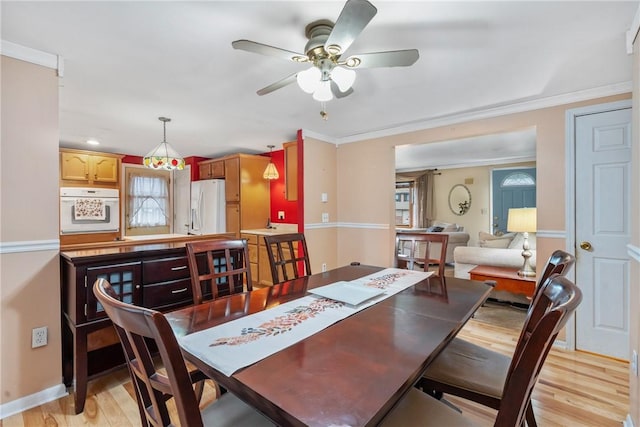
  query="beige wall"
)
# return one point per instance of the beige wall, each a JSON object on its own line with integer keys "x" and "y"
{"x": 368, "y": 167}
{"x": 477, "y": 218}
{"x": 320, "y": 176}
{"x": 29, "y": 277}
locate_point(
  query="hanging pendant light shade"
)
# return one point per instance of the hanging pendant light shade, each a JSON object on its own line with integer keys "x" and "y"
{"x": 270, "y": 171}
{"x": 164, "y": 156}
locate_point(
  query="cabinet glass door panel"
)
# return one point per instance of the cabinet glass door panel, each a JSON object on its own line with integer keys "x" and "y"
{"x": 125, "y": 282}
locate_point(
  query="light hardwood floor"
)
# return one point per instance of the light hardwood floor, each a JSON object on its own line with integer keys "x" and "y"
{"x": 574, "y": 389}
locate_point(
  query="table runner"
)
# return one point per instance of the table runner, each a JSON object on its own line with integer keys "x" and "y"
{"x": 247, "y": 340}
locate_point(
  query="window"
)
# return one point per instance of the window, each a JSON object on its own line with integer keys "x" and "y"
{"x": 518, "y": 179}
{"x": 404, "y": 204}
{"x": 147, "y": 209}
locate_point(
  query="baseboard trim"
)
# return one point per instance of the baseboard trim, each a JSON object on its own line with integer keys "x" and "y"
{"x": 628, "y": 422}
{"x": 33, "y": 400}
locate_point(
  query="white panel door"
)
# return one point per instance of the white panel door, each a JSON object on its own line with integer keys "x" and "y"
{"x": 603, "y": 174}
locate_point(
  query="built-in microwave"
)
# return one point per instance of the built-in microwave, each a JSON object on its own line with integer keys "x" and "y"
{"x": 89, "y": 210}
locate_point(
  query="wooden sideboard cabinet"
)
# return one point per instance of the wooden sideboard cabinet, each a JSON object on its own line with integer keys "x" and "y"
{"x": 89, "y": 168}
{"x": 153, "y": 276}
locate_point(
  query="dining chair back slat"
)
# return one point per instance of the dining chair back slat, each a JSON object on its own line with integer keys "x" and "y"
{"x": 417, "y": 250}
{"x": 218, "y": 268}
{"x": 287, "y": 254}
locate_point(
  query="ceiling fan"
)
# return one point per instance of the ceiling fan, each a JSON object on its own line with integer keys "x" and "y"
{"x": 330, "y": 74}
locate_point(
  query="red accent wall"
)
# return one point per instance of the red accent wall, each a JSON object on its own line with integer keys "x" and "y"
{"x": 278, "y": 196}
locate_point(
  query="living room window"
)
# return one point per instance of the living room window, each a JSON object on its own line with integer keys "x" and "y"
{"x": 404, "y": 204}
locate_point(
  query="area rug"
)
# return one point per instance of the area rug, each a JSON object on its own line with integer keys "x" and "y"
{"x": 501, "y": 314}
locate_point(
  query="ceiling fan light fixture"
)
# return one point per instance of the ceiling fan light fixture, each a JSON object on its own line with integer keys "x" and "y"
{"x": 309, "y": 79}
{"x": 323, "y": 93}
{"x": 343, "y": 77}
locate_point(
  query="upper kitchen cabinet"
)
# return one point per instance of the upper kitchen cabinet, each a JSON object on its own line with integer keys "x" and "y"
{"x": 291, "y": 170}
{"x": 211, "y": 169}
{"x": 79, "y": 167}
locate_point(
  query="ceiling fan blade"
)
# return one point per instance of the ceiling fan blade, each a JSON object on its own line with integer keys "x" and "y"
{"x": 277, "y": 85}
{"x": 264, "y": 49}
{"x": 392, "y": 58}
{"x": 355, "y": 15}
{"x": 337, "y": 93}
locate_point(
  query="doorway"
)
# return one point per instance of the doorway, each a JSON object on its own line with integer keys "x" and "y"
{"x": 511, "y": 188}
{"x": 598, "y": 225}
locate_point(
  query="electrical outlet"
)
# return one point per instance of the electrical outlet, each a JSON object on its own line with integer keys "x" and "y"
{"x": 634, "y": 363}
{"x": 39, "y": 337}
{"x": 324, "y": 267}
{"x": 280, "y": 214}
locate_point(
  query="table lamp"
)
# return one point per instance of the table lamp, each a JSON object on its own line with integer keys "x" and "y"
{"x": 523, "y": 220}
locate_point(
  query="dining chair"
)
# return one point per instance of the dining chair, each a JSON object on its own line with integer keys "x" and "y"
{"x": 479, "y": 374}
{"x": 553, "y": 305}
{"x": 286, "y": 252}
{"x": 419, "y": 249}
{"x": 142, "y": 329}
{"x": 218, "y": 268}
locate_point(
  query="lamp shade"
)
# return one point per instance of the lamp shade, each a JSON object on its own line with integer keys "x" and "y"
{"x": 522, "y": 220}
{"x": 271, "y": 172}
{"x": 164, "y": 157}
{"x": 309, "y": 79}
{"x": 343, "y": 77}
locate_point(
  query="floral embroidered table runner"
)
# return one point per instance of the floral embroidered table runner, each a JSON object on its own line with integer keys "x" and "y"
{"x": 242, "y": 342}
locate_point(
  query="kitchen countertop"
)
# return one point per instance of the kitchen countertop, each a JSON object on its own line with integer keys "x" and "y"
{"x": 275, "y": 230}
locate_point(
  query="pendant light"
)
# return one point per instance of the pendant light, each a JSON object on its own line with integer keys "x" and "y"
{"x": 270, "y": 171}
{"x": 164, "y": 156}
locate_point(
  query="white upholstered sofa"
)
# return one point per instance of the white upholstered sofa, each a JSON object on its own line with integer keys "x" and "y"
{"x": 496, "y": 251}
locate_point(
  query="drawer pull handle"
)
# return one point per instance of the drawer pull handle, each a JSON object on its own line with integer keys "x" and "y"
{"x": 182, "y": 267}
{"x": 179, "y": 291}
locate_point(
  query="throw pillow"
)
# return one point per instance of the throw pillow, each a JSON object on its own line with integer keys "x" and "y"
{"x": 486, "y": 240}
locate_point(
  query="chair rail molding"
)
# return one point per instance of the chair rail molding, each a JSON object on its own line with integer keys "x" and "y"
{"x": 29, "y": 246}
{"x": 634, "y": 252}
{"x": 369, "y": 226}
{"x": 552, "y": 234}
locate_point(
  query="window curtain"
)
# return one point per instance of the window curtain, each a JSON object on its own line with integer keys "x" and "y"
{"x": 423, "y": 197}
{"x": 148, "y": 201}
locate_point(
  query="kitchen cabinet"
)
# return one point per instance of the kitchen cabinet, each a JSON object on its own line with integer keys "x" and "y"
{"x": 211, "y": 169}
{"x": 89, "y": 168}
{"x": 291, "y": 170}
{"x": 247, "y": 193}
{"x": 154, "y": 276}
{"x": 252, "y": 244}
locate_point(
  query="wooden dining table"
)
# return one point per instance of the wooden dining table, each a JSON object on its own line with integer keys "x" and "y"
{"x": 353, "y": 372}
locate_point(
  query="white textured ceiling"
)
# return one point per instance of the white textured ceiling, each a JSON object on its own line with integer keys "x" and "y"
{"x": 127, "y": 63}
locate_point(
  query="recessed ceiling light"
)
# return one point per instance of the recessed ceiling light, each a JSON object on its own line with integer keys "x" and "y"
{"x": 93, "y": 141}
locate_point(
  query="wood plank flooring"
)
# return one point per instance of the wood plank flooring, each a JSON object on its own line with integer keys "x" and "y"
{"x": 574, "y": 389}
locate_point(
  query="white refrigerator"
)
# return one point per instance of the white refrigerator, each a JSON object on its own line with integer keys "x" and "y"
{"x": 207, "y": 207}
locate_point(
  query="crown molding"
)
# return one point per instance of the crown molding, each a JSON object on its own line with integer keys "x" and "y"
{"x": 632, "y": 34}
{"x": 34, "y": 56}
{"x": 484, "y": 113}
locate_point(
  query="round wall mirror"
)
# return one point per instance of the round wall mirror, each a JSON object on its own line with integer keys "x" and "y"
{"x": 459, "y": 199}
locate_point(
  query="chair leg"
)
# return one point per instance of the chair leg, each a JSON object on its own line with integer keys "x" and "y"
{"x": 530, "y": 416}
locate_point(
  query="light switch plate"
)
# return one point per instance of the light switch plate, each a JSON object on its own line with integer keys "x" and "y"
{"x": 280, "y": 214}
{"x": 325, "y": 217}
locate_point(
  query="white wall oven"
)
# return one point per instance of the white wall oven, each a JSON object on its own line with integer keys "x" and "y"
{"x": 89, "y": 210}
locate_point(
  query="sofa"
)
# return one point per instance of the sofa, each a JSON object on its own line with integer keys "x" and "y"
{"x": 457, "y": 237}
{"x": 498, "y": 251}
